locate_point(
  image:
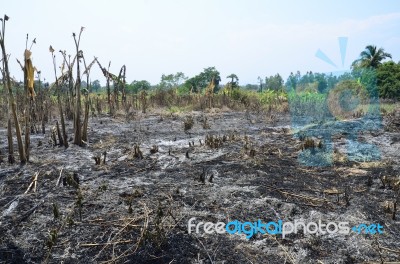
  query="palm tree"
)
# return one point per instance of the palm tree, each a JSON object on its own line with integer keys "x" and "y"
{"x": 371, "y": 57}
{"x": 233, "y": 78}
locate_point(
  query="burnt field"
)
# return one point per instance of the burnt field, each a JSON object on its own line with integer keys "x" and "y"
{"x": 128, "y": 194}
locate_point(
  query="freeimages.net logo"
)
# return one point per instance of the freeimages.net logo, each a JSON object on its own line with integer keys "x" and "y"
{"x": 336, "y": 103}
{"x": 249, "y": 229}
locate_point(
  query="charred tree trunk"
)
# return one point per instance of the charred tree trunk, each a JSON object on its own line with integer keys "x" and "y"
{"x": 77, "y": 116}
{"x": 27, "y": 130}
{"x": 13, "y": 105}
{"x": 70, "y": 98}
{"x": 85, "y": 121}
{"x": 116, "y": 88}
{"x": 11, "y": 158}
{"x": 27, "y": 111}
{"x": 108, "y": 95}
{"x": 64, "y": 133}
{"x": 87, "y": 104}
{"x": 60, "y": 139}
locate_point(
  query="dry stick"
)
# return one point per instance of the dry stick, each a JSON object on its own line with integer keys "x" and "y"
{"x": 209, "y": 257}
{"x": 103, "y": 244}
{"x": 60, "y": 138}
{"x": 305, "y": 197}
{"x": 117, "y": 225}
{"x": 285, "y": 249}
{"x": 379, "y": 250}
{"x": 177, "y": 222}
{"x": 119, "y": 232}
{"x": 59, "y": 178}
{"x": 390, "y": 250}
{"x": 35, "y": 181}
{"x": 32, "y": 183}
{"x": 11, "y": 158}
{"x": 298, "y": 195}
{"x": 144, "y": 229}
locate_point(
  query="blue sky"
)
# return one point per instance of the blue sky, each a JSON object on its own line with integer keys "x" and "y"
{"x": 249, "y": 38}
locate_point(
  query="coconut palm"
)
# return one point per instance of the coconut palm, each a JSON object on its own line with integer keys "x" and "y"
{"x": 371, "y": 57}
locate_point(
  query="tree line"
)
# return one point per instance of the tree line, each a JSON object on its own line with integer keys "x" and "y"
{"x": 387, "y": 78}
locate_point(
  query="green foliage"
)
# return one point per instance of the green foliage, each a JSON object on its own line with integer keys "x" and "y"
{"x": 371, "y": 57}
{"x": 251, "y": 87}
{"x": 274, "y": 83}
{"x": 388, "y": 79}
{"x": 379, "y": 78}
{"x": 137, "y": 86}
{"x": 292, "y": 81}
{"x": 266, "y": 97}
{"x": 174, "y": 109}
{"x": 367, "y": 78}
{"x": 271, "y": 96}
{"x": 322, "y": 83}
{"x": 237, "y": 93}
{"x": 193, "y": 84}
{"x": 183, "y": 89}
{"x": 96, "y": 86}
{"x": 200, "y": 81}
{"x": 308, "y": 104}
{"x": 172, "y": 80}
{"x": 312, "y": 82}
{"x": 234, "y": 79}
{"x": 342, "y": 101}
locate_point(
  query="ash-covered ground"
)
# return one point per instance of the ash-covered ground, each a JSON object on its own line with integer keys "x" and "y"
{"x": 135, "y": 207}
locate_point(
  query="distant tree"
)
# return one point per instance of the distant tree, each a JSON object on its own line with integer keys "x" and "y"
{"x": 207, "y": 75}
{"x": 260, "y": 82}
{"x": 234, "y": 78}
{"x": 306, "y": 79}
{"x": 200, "y": 81}
{"x": 388, "y": 80}
{"x": 322, "y": 84}
{"x": 293, "y": 80}
{"x": 251, "y": 87}
{"x": 167, "y": 82}
{"x": 137, "y": 86}
{"x": 331, "y": 81}
{"x": 179, "y": 78}
{"x": 172, "y": 80}
{"x": 371, "y": 57}
{"x": 345, "y": 76}
{"x": 193, "y": 84}
{"x": 96, "y": 85}
{"x": 310, "y": 82}
{"x": 84, "y": 84}
{"x": 274, "y": 83}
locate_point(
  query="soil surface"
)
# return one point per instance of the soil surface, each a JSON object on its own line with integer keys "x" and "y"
{"x": 63, "y": 208}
